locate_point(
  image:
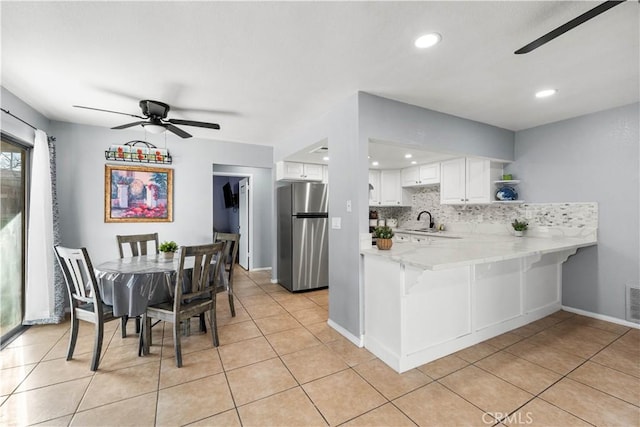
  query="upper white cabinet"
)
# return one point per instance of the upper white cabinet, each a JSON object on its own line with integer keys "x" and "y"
{"x": 387, "y": 188}
{"x": 467, "y": 181}
{"x": 421, "y": 175}
{"x": 374, "y": 187}
{"x": 298, "y": 171}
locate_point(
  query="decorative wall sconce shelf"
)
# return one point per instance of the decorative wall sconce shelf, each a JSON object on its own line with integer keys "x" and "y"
{"x": 138, "y": 152}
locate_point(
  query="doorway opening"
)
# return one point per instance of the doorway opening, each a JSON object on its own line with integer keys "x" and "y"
{"x": 233, "y": 211}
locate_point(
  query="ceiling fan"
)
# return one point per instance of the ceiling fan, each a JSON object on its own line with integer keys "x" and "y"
{"x": 155, "y": 119}
{"x": 592, "y": 13}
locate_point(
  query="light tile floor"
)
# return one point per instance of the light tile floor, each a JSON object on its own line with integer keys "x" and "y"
{"x": 279, "y": 364}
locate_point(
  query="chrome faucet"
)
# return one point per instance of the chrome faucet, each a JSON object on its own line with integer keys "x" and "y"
{"x": 431, "y": 223}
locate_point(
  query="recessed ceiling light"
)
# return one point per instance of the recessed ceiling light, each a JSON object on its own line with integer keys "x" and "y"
{"x": 427, "y": 40}
{"x": 413, "y": 162}
{"x": 545, "y": 93}
{"x": 326, "y": 158}
{"x": 408, "y": 156}
{"x": 375, "y": 163}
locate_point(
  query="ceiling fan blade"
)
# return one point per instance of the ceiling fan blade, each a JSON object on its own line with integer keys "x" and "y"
{"x": 192, "y": 123}
{"x": 603, "y": 7}
{"x": 178, "y": 131}
{"x": 128, "y": 125}
{"x": 108, "y": 111}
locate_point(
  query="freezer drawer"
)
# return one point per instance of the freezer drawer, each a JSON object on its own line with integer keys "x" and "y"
{"x": 310, "y": 253}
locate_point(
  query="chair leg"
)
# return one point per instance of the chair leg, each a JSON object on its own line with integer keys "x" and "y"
{"x": 123, "y": 325}
{"x": 213, "y": 324}
{"x": 97, "y": 349}
{"x": 203, "y": 323}
{"x": 145, "y": 334}
{"x": 137, "y": 324}
{"x": 176, "y": 342}
{"x": 231, "y": 306}
{"x": 73, "y": 335}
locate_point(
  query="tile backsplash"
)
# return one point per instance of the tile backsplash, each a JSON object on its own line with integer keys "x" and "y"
{"x": 566, "y": 215}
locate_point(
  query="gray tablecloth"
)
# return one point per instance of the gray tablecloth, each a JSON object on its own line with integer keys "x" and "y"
{"x": 131, "y": 284}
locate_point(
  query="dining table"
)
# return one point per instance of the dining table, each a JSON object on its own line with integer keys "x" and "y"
{"x": 130, "y": 284}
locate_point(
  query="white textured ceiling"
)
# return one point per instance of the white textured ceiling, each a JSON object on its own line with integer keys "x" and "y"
{"x": 262, "y": 69}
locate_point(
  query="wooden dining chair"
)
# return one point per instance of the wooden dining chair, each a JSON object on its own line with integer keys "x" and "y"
{"x": 138, "y": 246}
{"x": 137, "y": 243}
{"x": 84, "y": 297}
{"x": 230, "y": 252}
{"x": 189, "y": 299}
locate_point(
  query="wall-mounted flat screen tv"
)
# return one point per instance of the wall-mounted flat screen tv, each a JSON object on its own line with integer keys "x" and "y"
{"x": 228, "y": 196}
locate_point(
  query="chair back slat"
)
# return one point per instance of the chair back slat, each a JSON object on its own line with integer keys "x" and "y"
{"x": 201, "y": 283}
{"x": 231, "y": 243}
{"x": 78, "y": 274}
{"x": 137, "y": 243}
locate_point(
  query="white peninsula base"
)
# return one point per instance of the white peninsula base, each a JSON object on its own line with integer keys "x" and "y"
{"x": 414, "y": 315}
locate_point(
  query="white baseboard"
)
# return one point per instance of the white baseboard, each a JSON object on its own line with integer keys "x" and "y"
{"x": 260, "y": 269}
{"x": 274, "y": 281}
{"x": 602, "y": 317}
{"x": 348, "y": 335}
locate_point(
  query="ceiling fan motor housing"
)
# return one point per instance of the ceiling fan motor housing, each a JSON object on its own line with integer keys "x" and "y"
{"x": 154, "y": 108}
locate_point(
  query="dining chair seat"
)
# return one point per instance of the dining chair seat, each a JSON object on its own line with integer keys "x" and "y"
{"x": 190, "y": 298}
{"x": 138, "y": 245}
{"x": 84, "y": 297}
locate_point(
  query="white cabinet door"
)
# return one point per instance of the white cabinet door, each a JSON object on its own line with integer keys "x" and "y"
{"x": 429, "y": 174}
{"x": 478, "y": 181}
{"x": 374, "y": 187}
{"x": 295, "y": 171}
{"x": 411, "y": 176}
{"x": 390, "y": 187}
{"x": 311, "y": 172}
{"x": 452, "y": 182}
{"x": 289, "y": 170}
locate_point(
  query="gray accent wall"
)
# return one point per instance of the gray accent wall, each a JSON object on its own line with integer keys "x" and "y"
{"x": 263, "y": 222}
{"x": 81, "y": 163}
{"x": 16, "y": 128}
{"x": 592, "y": 158}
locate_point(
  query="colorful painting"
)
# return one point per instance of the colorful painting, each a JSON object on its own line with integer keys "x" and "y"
{"x": 138, "y": 194}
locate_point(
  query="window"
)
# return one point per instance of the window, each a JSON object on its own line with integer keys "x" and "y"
{"x": 13, "y": 169}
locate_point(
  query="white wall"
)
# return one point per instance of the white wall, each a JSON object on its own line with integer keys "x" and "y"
{"x": 80, "y": 162}
{"x": 593, "y": 158}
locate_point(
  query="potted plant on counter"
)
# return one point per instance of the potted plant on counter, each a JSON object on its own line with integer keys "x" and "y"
{"x": 168, "y": 249}
{"x": 383, "y": 236}
{"x": 519, "y": 227}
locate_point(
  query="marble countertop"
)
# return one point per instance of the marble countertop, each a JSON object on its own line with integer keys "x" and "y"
{"x": 440, "y": 253}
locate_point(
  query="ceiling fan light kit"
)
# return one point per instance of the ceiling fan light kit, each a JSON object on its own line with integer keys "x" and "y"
{"x": 154, "y": 119}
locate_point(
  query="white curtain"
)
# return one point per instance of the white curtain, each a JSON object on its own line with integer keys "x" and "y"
{"x": 40, "y": 287}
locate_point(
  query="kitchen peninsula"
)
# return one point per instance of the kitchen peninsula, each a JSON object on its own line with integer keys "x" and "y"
{"x": 425, "y": 300}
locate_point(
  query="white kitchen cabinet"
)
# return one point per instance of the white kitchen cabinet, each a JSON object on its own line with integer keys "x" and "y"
{"x": 402, "y": 237}
{"x": 387, "y": 188}
{"x": 295, "y": 171}
{"x": 391, "y": 192}
{"x": 421, "y": 175}
{"x": 374, "y": 187}
{"x": 467, "y": 181}
{"x": 325, "y": 174}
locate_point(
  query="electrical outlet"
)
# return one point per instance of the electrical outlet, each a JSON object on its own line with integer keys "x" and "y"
{"x": 480, "y": 218}
{"x": 528, "y": 214}
{"x": 348, "y": 205}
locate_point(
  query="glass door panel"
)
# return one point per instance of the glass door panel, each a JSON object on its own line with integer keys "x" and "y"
{"x": 12, "y": 235}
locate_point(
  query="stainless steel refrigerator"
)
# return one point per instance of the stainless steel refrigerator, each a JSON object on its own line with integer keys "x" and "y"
{"x": 303, "y": 234}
